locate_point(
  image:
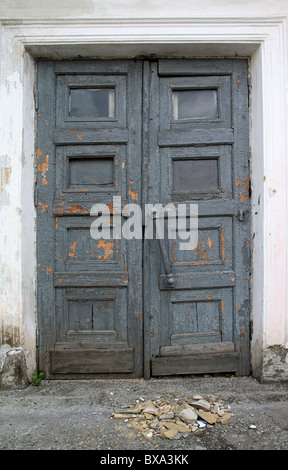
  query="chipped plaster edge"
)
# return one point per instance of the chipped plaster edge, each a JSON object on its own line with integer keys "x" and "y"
{"x": 275, "y": 364}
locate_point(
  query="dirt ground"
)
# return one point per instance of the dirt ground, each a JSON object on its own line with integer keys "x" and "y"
{"x": 76, "y": 415}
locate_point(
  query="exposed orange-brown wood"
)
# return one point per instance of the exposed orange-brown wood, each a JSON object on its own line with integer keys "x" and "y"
{"x": 223, "y": 243}
{"x": 75, "y": 209}
{"x": 134, "y": 196}
{"x": 43, "y": 206}
{"x": 43, "y": 167}
{"x": 108, "y": 249}
{"x": 202, "y": 253}
{"x": 72, "y": 248}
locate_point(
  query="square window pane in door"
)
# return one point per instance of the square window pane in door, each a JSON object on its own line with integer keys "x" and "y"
{"x": 194, "y": 104}
{"x": 92, "y": 103}
{"x": 195, "y": 175}
{"x": 91, "y": 171}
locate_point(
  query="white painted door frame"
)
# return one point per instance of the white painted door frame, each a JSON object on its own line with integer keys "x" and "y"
{"x": 264, "y": 40}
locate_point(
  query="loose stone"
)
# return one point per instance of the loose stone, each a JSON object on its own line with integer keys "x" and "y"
{"x": 188, "y": 415}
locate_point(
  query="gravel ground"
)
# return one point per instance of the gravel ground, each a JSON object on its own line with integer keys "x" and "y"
{"x": 76, "y": 415}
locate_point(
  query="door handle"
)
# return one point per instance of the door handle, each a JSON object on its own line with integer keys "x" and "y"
{"x": 165, "y": 258}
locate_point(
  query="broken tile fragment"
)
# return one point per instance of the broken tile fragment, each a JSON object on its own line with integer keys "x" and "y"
{"x": 121, "y": 415}
{"x": 200, "y": 423}
{"x": 209, "y": 417}
{"x": 148, "y": 415}
{"x": 201, "y": 404}
{"x": 179, "y": 427}
{"x": 129, "y": 411}
{"x": 188, "y": 415}
{"x": 154, "y": 424}
{"x": 150, "y": 408}
{"x": 224, "y": 418}
{"x": 172, "y": 434}
{"x": 169, "y": 415}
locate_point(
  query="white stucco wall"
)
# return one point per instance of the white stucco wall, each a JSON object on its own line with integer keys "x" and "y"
{"x": 141, "y": 8}
{"x": 255, "y": 29}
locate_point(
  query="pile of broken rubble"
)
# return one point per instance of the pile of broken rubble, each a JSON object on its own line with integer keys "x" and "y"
{"x": 176, "y": 418}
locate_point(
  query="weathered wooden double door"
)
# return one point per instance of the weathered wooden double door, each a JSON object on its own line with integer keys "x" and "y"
{"x": 144, "y": 132}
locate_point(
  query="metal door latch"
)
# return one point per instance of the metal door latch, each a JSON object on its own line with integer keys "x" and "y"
{"x": 168, "y": 269}
{"x": 240, "y": 215}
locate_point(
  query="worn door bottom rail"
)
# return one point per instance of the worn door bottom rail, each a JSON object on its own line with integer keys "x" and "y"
{"x": 91, "y": 361}
{"x": 195, "y": 364}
